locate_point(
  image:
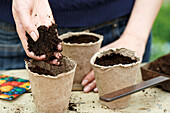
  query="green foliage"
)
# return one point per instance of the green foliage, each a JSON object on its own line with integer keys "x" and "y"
{"x": 161, "y": 33}
{"x": 161, "y": 27}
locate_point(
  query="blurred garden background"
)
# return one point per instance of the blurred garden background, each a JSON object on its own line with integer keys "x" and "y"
{"x": 161, "y": 32}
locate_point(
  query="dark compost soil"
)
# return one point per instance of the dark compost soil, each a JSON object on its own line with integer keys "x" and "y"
{"x": 81, "y": 39}
{"x": 161, "y": 65}
{"x": 113, "y": 59}
{"x": 40, "y": 71}
{"x": 47, "y": 42}
{"x": 72, "y": 106}
{"x": 42, "y": 67}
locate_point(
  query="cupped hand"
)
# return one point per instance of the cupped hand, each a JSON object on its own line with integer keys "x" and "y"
{"x": 28, "y": 16}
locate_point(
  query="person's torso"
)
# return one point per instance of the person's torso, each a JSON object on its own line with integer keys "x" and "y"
{"x": 78, "y": 13}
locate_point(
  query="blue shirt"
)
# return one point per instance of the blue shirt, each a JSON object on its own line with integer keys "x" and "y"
{"x": 78, "y": 13}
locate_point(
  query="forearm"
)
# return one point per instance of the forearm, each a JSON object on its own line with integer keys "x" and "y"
{"x": 141, "y": 20}
{"x": 138, "y": 28}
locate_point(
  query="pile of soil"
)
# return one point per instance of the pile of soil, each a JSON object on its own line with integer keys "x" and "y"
{"x": 41, "y": 71}
{"x": 113, "y": 59}
{"x": 46, "y": 43}
{"x": 161, "y": 65}
{"x": 81, "y": 39}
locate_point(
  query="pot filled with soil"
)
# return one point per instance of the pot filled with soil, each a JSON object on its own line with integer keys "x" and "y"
{"x": 81, "y": 46}
{"x": 51, "y": 85}
{"x": 115, "y": 69}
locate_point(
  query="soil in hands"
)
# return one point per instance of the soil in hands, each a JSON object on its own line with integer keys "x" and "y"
{"x": 81, "y": 39}
{"x": 161, "y": 65}
{"x": 113, "y": 59}
{"x": 46, "y": 43}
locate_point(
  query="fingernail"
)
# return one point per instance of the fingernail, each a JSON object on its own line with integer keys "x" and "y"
{"x": 59, "y": 47}
{"x": 57, "y": 55}
{"x": 54, "y": 62}
{"x": 58, "y": 63}
{"x": 95, "y": 90}
{"x": 86, "y": 89}
{"x": 60, "y": 55}
{"x": 33, "y": 36}
{"x": 42, "y": 56}
{"x": 84, "y": 82}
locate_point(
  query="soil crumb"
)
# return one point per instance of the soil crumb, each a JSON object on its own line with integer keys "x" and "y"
{"x": 81, "y": 39}
{"x": 113, "y": 59}
{"x": 72, "y": 106}
{"x": 46, "y": 43}
{"x": 161, "y": 65}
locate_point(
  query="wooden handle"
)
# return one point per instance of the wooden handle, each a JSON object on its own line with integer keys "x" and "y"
{"x": 132, "y": 89}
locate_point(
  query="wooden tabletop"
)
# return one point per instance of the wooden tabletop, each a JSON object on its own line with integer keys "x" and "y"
{"x": 151, "y": 100}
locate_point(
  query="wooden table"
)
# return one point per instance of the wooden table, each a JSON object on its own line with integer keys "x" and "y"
{"x": 152, "y": 100}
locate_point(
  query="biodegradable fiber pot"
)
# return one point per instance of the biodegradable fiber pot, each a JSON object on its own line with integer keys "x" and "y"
{"x": 51, "y": 93}
{"x": 113, "y": 78}
{"x": 81, "y": 52}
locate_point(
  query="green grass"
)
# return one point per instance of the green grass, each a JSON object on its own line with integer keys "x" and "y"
{"x": 161, "y": 33}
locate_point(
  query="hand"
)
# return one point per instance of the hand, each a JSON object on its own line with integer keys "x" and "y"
{"x": 89, "y": 82}
{"x": 28, "y": 16}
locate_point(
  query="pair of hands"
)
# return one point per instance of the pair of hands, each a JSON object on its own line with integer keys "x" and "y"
{"x": 30, "y": 14}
